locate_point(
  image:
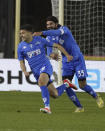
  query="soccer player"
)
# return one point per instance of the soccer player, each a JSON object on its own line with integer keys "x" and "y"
{"x": 33, "y": 50}
{"x": 63, "y": 36}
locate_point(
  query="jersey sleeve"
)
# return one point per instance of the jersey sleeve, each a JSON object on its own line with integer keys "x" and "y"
{"x": 49, "y": 49}
{"x": 20, "y": 54}
{"x": 47, "y": 42}
{"x": 62, "y": 30}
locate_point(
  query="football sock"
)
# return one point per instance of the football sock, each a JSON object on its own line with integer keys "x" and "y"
{"x": 61, "y": 89}
{"x": 45, "y": 95}
{"x": 71, "y": 94}
{"x": 90, "y": 91}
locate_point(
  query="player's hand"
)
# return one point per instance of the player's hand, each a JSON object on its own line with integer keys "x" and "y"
{"x": 55, "y": 56}
{"x": 26, "y": 73}
{"x": 37, "y": 33}
{"x": 69, "y": 58}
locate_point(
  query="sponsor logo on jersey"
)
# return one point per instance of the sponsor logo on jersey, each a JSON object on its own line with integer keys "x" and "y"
{"x": 34, "y": 53}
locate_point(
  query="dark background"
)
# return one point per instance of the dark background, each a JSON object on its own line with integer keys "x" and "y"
{"x": 32, "y": 12}
{"x": 86, "y": 20}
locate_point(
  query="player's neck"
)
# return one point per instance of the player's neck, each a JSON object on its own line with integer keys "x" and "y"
{"x": 29, "y": 40}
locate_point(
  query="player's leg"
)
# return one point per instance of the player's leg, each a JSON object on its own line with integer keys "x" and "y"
{"x": 71, "y": 94}
{"x": 68, "y": 73}
{"x": 45, "y": 72}
{"x": 87, "y": 88}
{"x": 81, "y": 74}
{"x": 58, "y": 91}
{"x": 42, "y": 82}
{"x": 52, "y": 90}
{"x": 68, "y": 70}
{"x": 55, "y": 92}
{"x": 84, "y": 86}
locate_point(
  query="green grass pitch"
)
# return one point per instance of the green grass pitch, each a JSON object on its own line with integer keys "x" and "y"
{"x": 19, "y": 111}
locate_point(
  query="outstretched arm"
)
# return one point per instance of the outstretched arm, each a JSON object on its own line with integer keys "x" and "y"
{"x": 48, "y": 32}
{"x": 56, "y": 32}
{"x": 69, "y": 58}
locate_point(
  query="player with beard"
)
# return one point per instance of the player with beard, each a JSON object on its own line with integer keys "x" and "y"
{"x": 63, "y": 36}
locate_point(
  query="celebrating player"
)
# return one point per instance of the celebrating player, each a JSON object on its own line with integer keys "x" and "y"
{"x": 63, "y": 36}
{"x": 33, "y": 50}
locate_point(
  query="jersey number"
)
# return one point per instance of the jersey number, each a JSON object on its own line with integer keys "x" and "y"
{"x": 81, "y": 73}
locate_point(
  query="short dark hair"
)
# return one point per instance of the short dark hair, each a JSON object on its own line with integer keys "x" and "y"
{"x": 27, "y": 27}
{"x": 52, "y": 18}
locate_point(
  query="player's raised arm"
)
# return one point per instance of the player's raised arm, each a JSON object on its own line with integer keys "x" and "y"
{"x": 49, "y": 32}
{"x": 56, "y": 32}
{"x": 69, "y": 58}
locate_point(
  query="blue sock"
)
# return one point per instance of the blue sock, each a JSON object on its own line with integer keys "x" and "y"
{"x": 61, "y": 89}
{"x": 90, "y": 91}
{"x": 71, "y": 94}
{"x": 45, "y": 95}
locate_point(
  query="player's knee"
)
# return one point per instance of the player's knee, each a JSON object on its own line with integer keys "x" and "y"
{"x": 54, "y": 95}
{"x": 41, "y": 82}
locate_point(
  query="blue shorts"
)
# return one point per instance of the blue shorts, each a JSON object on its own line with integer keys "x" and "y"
{"x": 77, "y": 67}
{"x": 45, "y": 68}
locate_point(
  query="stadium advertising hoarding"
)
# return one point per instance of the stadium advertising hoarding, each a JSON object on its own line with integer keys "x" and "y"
{"x": 12, "y": 78}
